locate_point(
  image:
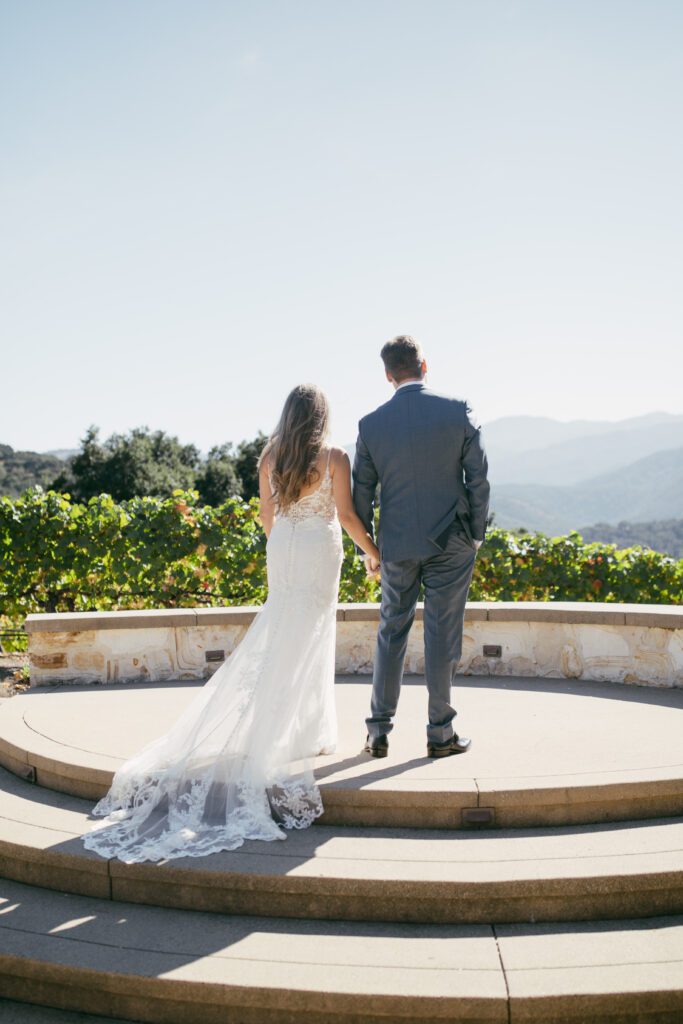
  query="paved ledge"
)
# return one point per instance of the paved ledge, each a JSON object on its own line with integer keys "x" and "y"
{"x": 660, "y": 616}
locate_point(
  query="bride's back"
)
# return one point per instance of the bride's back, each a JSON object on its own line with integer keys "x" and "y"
{"x": 321, "y": 467}
{"x": 314, "y": 499}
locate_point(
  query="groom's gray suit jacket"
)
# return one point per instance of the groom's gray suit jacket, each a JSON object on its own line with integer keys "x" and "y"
{"x": 426, "y": 453}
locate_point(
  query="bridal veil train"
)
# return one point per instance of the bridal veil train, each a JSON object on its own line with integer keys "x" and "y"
{"x": 238, "y": 763}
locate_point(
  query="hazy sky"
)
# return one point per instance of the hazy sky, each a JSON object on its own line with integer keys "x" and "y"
{"x": 206, "y": 202}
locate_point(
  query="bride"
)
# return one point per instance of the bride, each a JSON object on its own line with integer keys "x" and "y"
{"x": 238, "y": 763}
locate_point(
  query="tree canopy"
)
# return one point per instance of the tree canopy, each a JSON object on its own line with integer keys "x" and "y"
{"x": 153, "y": 463}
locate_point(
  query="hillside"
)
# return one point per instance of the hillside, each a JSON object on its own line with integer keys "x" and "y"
{"x": 665, "y": 535}
{"x": 19, "y": 470}
{"x": 647, "y": 489}
{"x": 524, "y": 450}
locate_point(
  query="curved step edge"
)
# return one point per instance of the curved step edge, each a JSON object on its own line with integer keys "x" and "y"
{"x": 40, "y": 845}
{"x": 508, "y": 803}
{"x": 163, "y": 966}
{"x": 185, "y": 967}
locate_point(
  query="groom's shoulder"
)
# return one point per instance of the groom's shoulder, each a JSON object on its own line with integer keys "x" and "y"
{"x": 375, "y": 414}
{"x": 440, "y": 396}
{"x": 452, "y": 406}
{"x": 449, "y": 403}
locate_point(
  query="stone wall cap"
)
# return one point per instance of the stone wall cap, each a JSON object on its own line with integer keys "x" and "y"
{"x": 572, "y": 612}
{"x": 79, "y": 622}
{"x": 237, "y": 615}
{"x": 663, "y": 616}
{"x": 556, "y": 611}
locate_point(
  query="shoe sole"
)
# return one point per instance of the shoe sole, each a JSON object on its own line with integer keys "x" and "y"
{"x": 376, "y": 753}
{"x": 446, "y": 753}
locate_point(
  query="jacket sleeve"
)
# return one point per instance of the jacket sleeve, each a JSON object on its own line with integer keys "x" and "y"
{"x": 365, "y": 481}
{"x": 475, "y": 468}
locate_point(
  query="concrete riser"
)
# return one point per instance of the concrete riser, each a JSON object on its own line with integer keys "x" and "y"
{"x": 581, "y": 899}
{"x": 156, "y": 1001}
{"x": 459, "y": 907}
{"x": 425, "y": 813}
{"x": 519, "y": 816}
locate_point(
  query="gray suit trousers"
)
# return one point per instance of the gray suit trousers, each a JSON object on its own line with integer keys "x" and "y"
{"x": 446, "y": 577}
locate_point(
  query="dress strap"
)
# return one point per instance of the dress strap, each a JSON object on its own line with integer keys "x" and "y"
{"x": 327, "y": 467}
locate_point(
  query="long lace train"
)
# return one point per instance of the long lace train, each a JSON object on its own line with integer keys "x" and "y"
{"x": 237, "y": 764}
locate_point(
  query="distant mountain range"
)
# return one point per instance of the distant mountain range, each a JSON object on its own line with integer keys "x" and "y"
{"x": 552, "y": 476}
{"x": 537, "y": 450}
{"x": 529, "y": 432}
{"x": 647, "y": 489}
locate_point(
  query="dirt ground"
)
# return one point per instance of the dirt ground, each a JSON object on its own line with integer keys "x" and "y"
{"x": 13, "y": 669}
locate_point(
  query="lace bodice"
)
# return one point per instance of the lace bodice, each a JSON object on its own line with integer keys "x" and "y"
{"x": 319, "y": 503}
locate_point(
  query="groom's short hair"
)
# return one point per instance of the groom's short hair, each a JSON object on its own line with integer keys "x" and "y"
{"x": 402, "y": 357}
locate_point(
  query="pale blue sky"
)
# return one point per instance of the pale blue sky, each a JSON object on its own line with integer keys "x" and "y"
{"x": 206, "y": 202}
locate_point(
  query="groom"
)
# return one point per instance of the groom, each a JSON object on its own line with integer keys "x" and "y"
{"x": 425, "y": 451}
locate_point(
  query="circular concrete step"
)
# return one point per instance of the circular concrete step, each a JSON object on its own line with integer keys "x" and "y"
{"x": 156, "y": 965}
{"x": 350, "y": 873}
{"x": 545, "y": 752}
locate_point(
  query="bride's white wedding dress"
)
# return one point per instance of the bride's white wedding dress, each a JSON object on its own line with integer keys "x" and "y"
{"x": 238, "y": 764}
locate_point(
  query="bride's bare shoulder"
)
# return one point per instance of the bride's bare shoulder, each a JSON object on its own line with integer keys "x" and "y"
{"x": 265, "y": 463}
{"x": 338, "y": 458}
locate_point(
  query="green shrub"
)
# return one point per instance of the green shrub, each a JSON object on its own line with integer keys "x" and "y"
{"x": 533, "y": 567}
{"x": 58, "y": 555}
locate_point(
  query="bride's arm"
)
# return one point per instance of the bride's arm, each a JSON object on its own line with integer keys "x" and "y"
{"x": 340, "y": 468}
{"x": 267, "y": 504}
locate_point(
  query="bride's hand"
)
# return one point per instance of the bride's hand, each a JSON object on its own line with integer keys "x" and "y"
{"x": 372, "y": 567}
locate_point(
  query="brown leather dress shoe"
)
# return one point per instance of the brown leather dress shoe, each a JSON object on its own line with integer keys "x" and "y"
{"x": 377, "y": 747}
{"x": 455, "y": 745}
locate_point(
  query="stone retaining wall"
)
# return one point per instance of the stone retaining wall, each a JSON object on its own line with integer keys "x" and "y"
{"x": 640, "y": 644}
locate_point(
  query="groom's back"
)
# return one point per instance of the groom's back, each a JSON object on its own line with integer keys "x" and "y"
{"x": 426, "y": 452}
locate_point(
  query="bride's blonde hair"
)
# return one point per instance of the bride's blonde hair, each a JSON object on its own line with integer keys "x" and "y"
{"x": 295, "y": 445}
